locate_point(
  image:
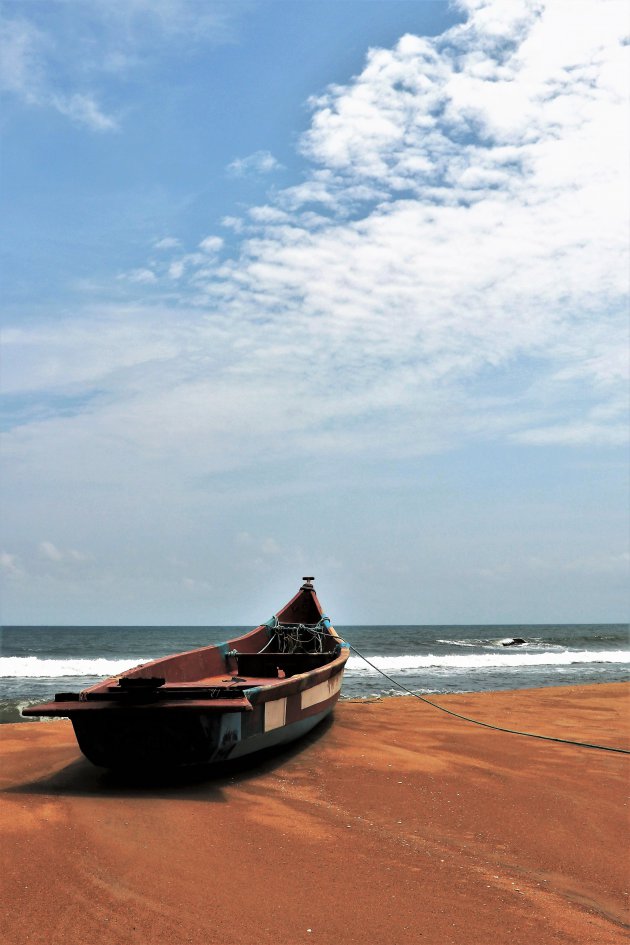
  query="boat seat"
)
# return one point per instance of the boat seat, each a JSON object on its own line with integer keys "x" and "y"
{"x": 269, "y": 664}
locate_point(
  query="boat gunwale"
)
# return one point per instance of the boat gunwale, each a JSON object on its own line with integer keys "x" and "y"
{"x": 255, "y": 695}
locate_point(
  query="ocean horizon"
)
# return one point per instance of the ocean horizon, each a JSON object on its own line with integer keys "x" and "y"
{"x": 37, "y": 661}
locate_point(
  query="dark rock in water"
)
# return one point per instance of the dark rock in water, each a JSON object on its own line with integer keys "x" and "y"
{"x": 516, "y": 641}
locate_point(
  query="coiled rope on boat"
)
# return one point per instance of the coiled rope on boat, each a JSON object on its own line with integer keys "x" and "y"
{"x": 296, "y": 637}
{"x": 496, "y": 728}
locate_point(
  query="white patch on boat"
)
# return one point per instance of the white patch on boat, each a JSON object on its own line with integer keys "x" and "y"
{"x": 275, "y": 714}
{"x": 321, "y": 691}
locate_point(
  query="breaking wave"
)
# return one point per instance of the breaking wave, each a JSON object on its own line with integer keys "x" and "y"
{"x": 31, "y": 667}
{"x": 520, "y": 660}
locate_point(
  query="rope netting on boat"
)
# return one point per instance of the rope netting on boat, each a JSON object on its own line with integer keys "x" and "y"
{"x": 297, "y": 637}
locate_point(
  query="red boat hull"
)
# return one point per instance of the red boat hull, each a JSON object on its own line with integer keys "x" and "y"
{"x": 216, "y": 703}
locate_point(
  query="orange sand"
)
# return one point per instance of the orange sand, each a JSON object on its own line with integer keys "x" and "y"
{"x": 395, "y": 824}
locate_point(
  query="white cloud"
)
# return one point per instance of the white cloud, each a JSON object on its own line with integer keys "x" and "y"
{"x": 142, "y": 276}
{"x": 10, "y": 565}
{"x": 260, "y": 162}
{"x": 50, "y": 551}
{"x": 211, "y": 244}
{"x": 176, "y": 269}
{"x": 70, "y": 555}
{"x": 453, "y": 268}
{"x": 20, "y": 47}
{"x": 168, "y": 242}
{"x": 232, "y": 223}
{"x": 84, "y": 110}
{"x": 109, "y": 346}
{"x": 269, "y": 214}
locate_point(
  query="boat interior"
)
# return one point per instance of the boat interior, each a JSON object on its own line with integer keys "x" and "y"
{"x": 297, "y": 640}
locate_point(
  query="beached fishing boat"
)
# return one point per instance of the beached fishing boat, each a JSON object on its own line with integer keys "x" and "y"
{"x": 219, "y": 702}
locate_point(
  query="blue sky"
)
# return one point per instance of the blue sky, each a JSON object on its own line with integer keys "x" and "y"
{"x": 330, "y": 288}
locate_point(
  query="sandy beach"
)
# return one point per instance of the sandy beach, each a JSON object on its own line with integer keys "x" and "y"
{"x": 396, "y": 823}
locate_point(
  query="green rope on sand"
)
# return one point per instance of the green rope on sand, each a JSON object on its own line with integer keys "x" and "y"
{"x": 496, "y": 728}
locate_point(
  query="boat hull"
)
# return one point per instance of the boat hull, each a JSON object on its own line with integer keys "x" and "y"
{"x": 223, "y": 701}
{"x": 153, "y": 736}
{"x": 136, "y": 743}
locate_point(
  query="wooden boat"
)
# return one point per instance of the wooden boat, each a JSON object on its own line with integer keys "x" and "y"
{"x": 270, "y": 686}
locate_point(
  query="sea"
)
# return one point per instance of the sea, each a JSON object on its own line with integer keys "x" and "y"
{"x": 36, "y": 662}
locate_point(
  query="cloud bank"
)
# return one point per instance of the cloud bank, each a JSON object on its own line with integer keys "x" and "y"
{"x": 464, "y": 217}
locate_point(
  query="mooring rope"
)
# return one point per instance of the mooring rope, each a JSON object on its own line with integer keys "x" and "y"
{"x": 316, "y": 633}
{"x": 496, "y": 728}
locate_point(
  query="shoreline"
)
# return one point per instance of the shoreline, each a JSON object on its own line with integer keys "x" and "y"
{"x": 395, "y": 822}
{"x": 489, "y": 692}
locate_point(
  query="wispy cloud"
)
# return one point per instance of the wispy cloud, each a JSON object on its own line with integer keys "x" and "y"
{"x": 24, "y": 72}
{"x": 144, "y": 276}
{"x": 167, "y": 242}
{"x": 260, "y": 162}
{"x": 63, "y": 68}
{"x": 51, "y": 552}
{"x": 20, "y": 64}
{"x": 10, "y": 565}
{"x": 211, "y": 244}
{"x": 84, "y": 110}
{"x": 135, "y": 28}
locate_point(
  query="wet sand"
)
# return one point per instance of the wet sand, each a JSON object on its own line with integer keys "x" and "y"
{"x": 394, "y": 824}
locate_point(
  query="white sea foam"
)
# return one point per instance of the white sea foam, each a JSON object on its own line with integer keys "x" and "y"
{"x": 30, "y": 667}
{"x": 505, "y": 641}
{"x": 520, "y": 660}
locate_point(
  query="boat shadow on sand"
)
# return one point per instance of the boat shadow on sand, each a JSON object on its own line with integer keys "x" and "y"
{"x": 81, "y": 779}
